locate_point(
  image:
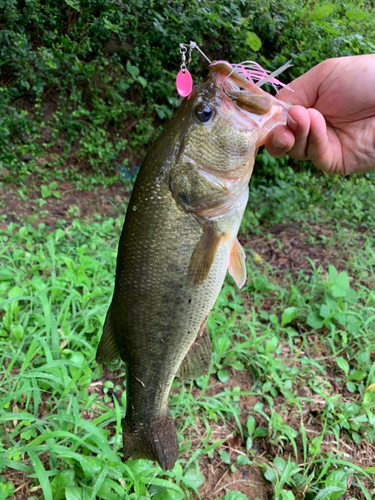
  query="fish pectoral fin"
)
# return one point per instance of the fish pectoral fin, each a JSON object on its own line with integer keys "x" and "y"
{"x": 107, "y": 349}
{"x": 204, "y": 255}
{"x": 198, "y": 359}
{"x": 237, "y": 266}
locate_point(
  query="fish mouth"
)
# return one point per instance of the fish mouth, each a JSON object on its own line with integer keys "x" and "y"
{"x": 244, "y": 105}
{"x": 240, "y": 90}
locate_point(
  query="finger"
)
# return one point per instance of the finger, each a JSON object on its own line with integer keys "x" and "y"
{"x": 298, "y": 122}
{"x": 292, "y": 138}
{"x": 279, "y": 141}
{"x": 319, "y": 149}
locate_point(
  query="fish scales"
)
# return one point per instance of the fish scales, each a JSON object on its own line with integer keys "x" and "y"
{"x": 178, "y": 240}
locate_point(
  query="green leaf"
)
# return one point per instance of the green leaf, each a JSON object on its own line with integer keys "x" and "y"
{"x": 356, "y": 437}
{"x": 351, "y": 387}
{"x": 195, "y": 477}
{"x": 270, "y": 475}
{"x": 330, "y": 493}
{"x": 74, "y": 493}
{"x": 321, "y": 12}
{"x": 250, "y": 425}
{"x": 41, "y": 474}
{"x": 60, "y": 482}
{"x": 337, "y": 482}
{"x": 325, "y": 311}
{"x": 45, "y": 191}
{"x": 6, "y": 490}
{"x": 253, "y": 41}
{"x": 280, "y": 463}
{"x": 287, "y": 495}
{"x": 357, "y": 375}
{"x": 341, "y": 287}
{"x": 133, "y": 70}
{"x": 91, "y": 467}
{"x": 74, "y": 4}
{"x": 223, "y": 344}
{"x": 343, "y": 280}
{"x": 168, "y": 494}
{"x": 223, "y": 376}
{"x": 242, "y": 460}
{"x": 224, "y": 456}
{"x": 18, "y": 332}
{"x": 274, "y": 319}
{"x": 332, "y": 273}
{"x": 142, "y": 81}
{"x": 338, "y": 291}
{"x": 237, "y": 365}
{"x": 249, "y": 443}
{"x": 288, "y": 315}
{"x": 343, "y": 365}
{"x": 314, "y": 320}
{"x": 235, "y": 495}
{"x": 260, "y": 432}
{"x": 272, "y": 344}
{"x": 107, "y": 488}
{"x": 161, "y": 483}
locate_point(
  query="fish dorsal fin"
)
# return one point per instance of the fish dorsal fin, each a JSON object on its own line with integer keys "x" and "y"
{"x": 107, "y": 349}
{"x": 198, "y": 359}
{"x": 237, "y": 266}
{"x": 204, "y": 255}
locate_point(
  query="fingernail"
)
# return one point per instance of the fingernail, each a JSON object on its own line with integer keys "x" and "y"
{"x": 278, "y": 143}
{"x": 292, "y": 124}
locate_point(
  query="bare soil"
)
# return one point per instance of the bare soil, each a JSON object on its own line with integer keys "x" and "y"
{"x": 72, "y": 204}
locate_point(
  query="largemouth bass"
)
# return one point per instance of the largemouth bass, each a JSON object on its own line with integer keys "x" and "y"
{"x": 178, "y": 240}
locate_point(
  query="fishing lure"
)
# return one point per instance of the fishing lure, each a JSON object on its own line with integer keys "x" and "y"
{"x": 251, "y": 70}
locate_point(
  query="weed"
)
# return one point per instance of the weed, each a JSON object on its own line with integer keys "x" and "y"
{"x": 56, "y": 288}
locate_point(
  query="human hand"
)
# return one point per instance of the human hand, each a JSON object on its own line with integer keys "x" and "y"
{"x": 332, "y": 120}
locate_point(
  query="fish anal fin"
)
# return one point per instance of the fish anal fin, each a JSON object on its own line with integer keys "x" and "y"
{"x": 198, "y": 359}
{"x": 237, "y": 266}
{"x": 107, "y": 349}
{"x": 204, "y": 255}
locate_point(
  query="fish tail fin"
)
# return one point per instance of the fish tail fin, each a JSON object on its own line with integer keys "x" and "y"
{"x": 155, "y": 440}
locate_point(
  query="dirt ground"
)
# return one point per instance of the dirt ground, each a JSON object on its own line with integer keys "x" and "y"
{"x": 72, "y": 204}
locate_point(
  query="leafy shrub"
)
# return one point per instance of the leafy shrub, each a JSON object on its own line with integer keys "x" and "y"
{"x": 92, "y": 80}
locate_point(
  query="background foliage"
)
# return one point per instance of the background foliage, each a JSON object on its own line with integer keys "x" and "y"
{"x": 84, "y": 87}
{"x": 89, "y": 83}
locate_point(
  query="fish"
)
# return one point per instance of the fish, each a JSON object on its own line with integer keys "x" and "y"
{"x": 178, "y": 240}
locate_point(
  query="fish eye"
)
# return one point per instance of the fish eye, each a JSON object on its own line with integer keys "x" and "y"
{"x": 204, "y": 112}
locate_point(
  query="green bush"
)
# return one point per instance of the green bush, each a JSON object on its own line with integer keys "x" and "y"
{"x": 93, "y": 80}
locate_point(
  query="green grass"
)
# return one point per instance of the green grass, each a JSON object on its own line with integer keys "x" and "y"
{"x": 307, "y": 361}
